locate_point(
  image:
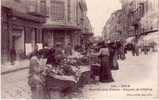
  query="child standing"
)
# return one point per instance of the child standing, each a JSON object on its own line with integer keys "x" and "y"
{"x": 36, "y": 79}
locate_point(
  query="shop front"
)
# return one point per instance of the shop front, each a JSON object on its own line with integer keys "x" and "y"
{"x": 63, "y": 35}
{"x": 19, "y": 31}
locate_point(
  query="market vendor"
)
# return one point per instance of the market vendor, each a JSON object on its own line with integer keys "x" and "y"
{"x": 113, "y": 50}
{"x": 105, "y": 69}
{"x": 35, "y": 51}
{"x": 94, "y": 63}
{"x": 51, "y": 57}
{"x": 59, "y": 54}
{"x": 44, "y": 51}
{"x": 68, "y": 49}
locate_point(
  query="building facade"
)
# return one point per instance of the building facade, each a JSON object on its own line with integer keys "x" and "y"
{"x": 150, "y": 20}
{"x": 21, "y": 26}
{"x": 114, "y": 27}
{"x": 29, "y": 22}
{"x": 61, "y": 22}
{"x": 65, "y": 22}
{"x": 85, "y": 25}
{"x": 129, "y": 20}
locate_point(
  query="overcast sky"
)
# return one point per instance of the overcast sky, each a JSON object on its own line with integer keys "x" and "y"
{"x": 99, "y": 11}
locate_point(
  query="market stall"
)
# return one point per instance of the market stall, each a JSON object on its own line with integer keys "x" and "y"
{"x": 64, "y": 80}
{"x": 60, "y": 78}
{"x": 66, "y": 84}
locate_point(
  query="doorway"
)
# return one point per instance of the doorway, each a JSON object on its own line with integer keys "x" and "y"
{"x": 18, "y": 41}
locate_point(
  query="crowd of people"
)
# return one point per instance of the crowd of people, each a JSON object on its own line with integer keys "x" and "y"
{"x": 56, "y": 60}
{"x": 100, "y": 57}
{"x": 137, "y": 48}
{"x": 104, "y": 58}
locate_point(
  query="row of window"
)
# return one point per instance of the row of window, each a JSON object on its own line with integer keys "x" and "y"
{"x": 57, "y": 9}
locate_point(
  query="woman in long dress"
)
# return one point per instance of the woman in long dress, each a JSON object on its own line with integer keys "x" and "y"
{"x": 105, "y": 69}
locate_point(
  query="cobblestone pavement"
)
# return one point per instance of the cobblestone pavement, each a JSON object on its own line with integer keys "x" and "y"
{"x": 134, "y": 71}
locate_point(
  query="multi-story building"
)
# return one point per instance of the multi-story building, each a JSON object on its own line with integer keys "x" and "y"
{"x": 29, "y": 22}
{"x": 113, "y": 28}
{"x": 150, "y": 20}
{"x": 61, "y": 24}
{"x": 136, "y": 11}
{"x": 65, "y": 22}
{"x": 84, "y": 23}
{"x": 142, "y": 16}
{"x": 21, "y": 26}
{"x": 126, "y": 21}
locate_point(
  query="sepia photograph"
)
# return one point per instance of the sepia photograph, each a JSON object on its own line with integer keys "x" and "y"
{"x": 79, "y": 49}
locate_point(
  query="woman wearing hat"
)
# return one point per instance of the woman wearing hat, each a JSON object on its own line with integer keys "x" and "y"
{"x": 105, "y": 69}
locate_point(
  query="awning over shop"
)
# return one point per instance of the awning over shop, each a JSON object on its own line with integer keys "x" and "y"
{"x": 152, "y": 37}
{"x": 87, "y": 33}
{"x": 60, "y": 27}
{"x": 129, "y": 39}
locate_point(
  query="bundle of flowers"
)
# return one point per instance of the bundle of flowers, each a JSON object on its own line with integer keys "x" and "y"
{"x": 68, "y": 68}
{"x": 84, "y": 60}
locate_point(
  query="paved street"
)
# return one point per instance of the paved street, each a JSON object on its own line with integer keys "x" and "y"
{"x": 134, "y": 72}
{"x": 14, "y": 85}
{"x": 19, "y": 65}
